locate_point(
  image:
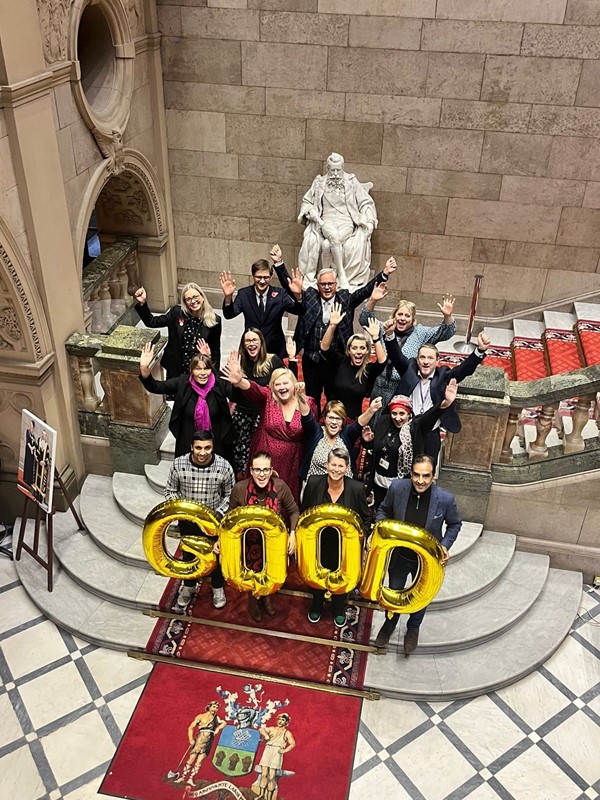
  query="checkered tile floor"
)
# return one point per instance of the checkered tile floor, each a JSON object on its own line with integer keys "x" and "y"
{"x": 64, "y": 705}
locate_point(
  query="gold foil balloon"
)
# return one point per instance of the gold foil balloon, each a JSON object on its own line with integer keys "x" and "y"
{"x": 153, "y": 538}
{"x": 275, "y": 542}
{"x": 308, "y": 531}
{"x": 387, "y": 535}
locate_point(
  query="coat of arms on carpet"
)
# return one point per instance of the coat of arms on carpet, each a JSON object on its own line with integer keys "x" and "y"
{"x": 217, "y": 736}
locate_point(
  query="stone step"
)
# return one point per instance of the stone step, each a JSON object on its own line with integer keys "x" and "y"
{"x": 528, "y": 329}
{"x": 587, "y": 311}
{"x": 482, "y": 618}
{"x": 490, "y": 666}
{"x": 100, "y": 574}
{"x": 167, "y": 448}
{"x": 85, "y": 615}
{"x": 157, "y": 474}
{"x": 471, "y": 577}
{"x": 559, "y": 320}
{"x": 113, "y": 532}
{"x": 134, "y": 496}
{"x": 500, "y": 337}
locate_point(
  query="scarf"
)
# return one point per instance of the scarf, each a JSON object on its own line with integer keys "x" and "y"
{"x": 405, "y": 451}
{"x": 271, "y": 500}
{"x": 201, "y": 413}
{"x": 401, "y": 338}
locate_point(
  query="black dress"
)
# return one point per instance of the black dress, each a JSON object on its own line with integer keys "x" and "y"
{"x": 345, "y": 386}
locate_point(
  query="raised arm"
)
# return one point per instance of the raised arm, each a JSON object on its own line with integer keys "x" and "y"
{"x": 150, "y": 383}
{"x": 357, "y": 297}
{"x": 337, "y": 315}
{"x": 373, "y": 328}
{"x": 470, "y": 364}
{"x": 149, "y": 319}
{"x": 395, "y": 354}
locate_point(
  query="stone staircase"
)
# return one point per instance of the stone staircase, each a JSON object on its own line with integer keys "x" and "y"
{"x": 499, "y": 615}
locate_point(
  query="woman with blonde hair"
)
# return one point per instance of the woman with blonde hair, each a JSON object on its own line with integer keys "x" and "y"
{"x": 409, "y": 334}
{"x": 279, "y": 431}
{"x": 193, "y": 327}
{"x": 258, "y": 365}
{"x": 353, "y": 373}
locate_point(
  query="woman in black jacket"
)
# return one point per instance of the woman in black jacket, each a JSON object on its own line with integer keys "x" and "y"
{"x": 201, "y": 402}
{"x": 189, "y": 325}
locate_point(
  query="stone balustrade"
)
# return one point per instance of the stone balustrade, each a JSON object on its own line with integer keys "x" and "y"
{"x": 108, "y": 284}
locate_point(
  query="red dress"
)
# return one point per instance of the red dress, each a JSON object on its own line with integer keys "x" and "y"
{"x": 284, "y": 441}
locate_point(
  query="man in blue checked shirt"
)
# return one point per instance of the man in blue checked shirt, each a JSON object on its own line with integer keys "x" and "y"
{"x": 204, "y": 477}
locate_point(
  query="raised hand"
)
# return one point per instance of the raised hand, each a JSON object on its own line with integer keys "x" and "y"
{"x": 232, "y": 370}
{"x": 290, "y": 347}
{"x": 379, "y": 292}
{"x": 367, "y": 434}
{"x": 295, "y": 282}
{"x": 390, "y": 265}
{"x": 376, "y": 404}
{"x": 202, "y": 346}
{"x": 227, "y": 284}
{"x": 140, "y": 296}
{"x": 146, "y": 359}
{"x": 447, "y": 305}
{"x": 451, "y": 392}
{"x": 337, "y": 315}
{"x": 372, "y": 327}
{"x": 483, "y": 341}
{"x": 300, "y": 390}
{"x": 276, "y": 255}
{"x": 389, "y": 326}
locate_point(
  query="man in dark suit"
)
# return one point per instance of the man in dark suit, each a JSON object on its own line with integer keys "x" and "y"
{"x": 425, "y": 383}
{"x": 262, "y": 305}
{"x": 335, "y": 487}
{"x": 416, "y": 501}
{"x": 312, "y": 326}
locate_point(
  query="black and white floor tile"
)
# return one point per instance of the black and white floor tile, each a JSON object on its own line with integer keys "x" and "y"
{"x": 64, "y": 705}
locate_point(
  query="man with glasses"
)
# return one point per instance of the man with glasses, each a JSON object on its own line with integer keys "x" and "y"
{"x": 263, "y": 488}
{"x": 312, "y": 325}
{"x": 262, "y": 305}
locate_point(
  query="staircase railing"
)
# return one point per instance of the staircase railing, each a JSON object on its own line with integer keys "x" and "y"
{"x": 108, "y": 283}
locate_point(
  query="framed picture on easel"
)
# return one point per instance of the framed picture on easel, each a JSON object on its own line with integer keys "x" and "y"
{"x": 37, "y": 455}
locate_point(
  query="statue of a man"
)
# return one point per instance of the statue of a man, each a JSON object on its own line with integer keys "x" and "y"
{"x": 340, "y": 217}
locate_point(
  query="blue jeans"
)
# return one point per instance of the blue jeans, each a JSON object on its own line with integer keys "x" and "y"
{"x": 402, "y": 562}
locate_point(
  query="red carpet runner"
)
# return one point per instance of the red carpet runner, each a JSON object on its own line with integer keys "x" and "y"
{"x": 253, "y": 651}
{"x": 202, "y": 734}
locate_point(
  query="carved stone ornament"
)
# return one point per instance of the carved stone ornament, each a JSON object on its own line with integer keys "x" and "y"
{"x": 11, "y": 331}
{"x": 123, "y": 201}
{"x": 54, "y": 15}
{"x": 111, "y": 147}
{"x": 135, "y": 16}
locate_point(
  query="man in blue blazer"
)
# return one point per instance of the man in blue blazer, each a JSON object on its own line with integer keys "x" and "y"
{"x": 416, "y": 501}
{"x": 262, "y": 305}
{"x": 425, "y": 382}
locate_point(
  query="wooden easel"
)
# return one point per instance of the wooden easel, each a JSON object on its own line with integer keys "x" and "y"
{"x": 49, "y": 515}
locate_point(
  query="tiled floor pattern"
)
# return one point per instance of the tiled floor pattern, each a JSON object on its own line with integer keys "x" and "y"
{"x": 64, "y": 705}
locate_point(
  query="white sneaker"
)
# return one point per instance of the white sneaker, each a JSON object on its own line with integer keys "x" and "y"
{"x": 185, "y": 595}
{"x": 219, "y": 598}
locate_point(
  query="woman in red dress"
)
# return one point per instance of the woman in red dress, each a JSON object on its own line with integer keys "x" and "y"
{"x": 280, "y": 429}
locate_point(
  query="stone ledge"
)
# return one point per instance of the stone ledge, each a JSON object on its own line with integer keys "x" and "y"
{"x": 523, "y": 472}
{"x": 565, "y": 556}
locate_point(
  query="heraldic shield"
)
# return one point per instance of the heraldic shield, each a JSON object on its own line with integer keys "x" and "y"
{"x": 236, "y": 750}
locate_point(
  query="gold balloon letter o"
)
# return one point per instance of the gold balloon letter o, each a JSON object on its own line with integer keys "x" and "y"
{"x": 387, "y": 535}
{"x": 153, "y": 538}
{"x": 275, "y": 537}
{"x": 308, "y": 531}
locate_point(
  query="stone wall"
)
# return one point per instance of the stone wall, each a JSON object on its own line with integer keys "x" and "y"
{"x": 478, "y": 124}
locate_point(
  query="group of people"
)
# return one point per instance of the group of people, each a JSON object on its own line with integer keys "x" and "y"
{"x": 286, "y": 450}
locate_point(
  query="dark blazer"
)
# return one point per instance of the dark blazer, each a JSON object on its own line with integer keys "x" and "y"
{"x": 174, "y": 321}
{"x": 442, "y": 508}
{"x": 409, "y": 378}
{"x": 182, "y": 426}
{"x": 312, "y": 301}
{"x": 315, "y": 493}
{"x": 277, "y": 303}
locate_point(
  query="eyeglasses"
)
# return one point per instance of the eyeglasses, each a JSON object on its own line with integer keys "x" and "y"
{"x": 192, "y": 298}
{"x": 330, "y": 418}
{"x": 261, "y": 279}
{"x": 261, "y": 470}
{"x": 251, "y": 341}
{"x": 328, "y": 284}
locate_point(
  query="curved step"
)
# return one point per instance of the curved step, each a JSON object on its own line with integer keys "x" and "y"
{"x": 100, "y": 574}
{"x": 483, "y": 618}
{"x": 473, "y": 576}
{"x": 114, "y": 533}
{"x": 134, "y": 496}
{"x": 157, "y": 474}
{"x": 83, "y": 614}
{"x": 494, "y": 664}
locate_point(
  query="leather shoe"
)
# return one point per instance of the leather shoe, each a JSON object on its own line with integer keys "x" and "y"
{"x": 411, "y": 640}
{"x": 385, "y": 633}
{"x": 254, "y": 608}
{"x": 268, "y": 607}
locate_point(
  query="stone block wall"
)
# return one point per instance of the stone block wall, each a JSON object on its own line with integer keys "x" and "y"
{"x": 477, "y": 122}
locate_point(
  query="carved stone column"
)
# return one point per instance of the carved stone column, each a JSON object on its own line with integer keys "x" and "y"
{"x": 539, "y": 449}
{"x": 574, "y": 442}
{"x": 506, "y": 455}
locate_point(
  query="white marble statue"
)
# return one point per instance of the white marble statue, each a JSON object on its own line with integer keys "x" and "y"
{"x": 340, "y": 217}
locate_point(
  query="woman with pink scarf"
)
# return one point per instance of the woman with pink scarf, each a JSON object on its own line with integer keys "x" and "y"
{"x": 201, "y": 402}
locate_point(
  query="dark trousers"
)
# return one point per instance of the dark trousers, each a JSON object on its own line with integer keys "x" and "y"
{"x": 217, "y": 580}
{"x": 402, "y": 562}
{"x": 330, "y": 558}
{"x": 317, "y": 377}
